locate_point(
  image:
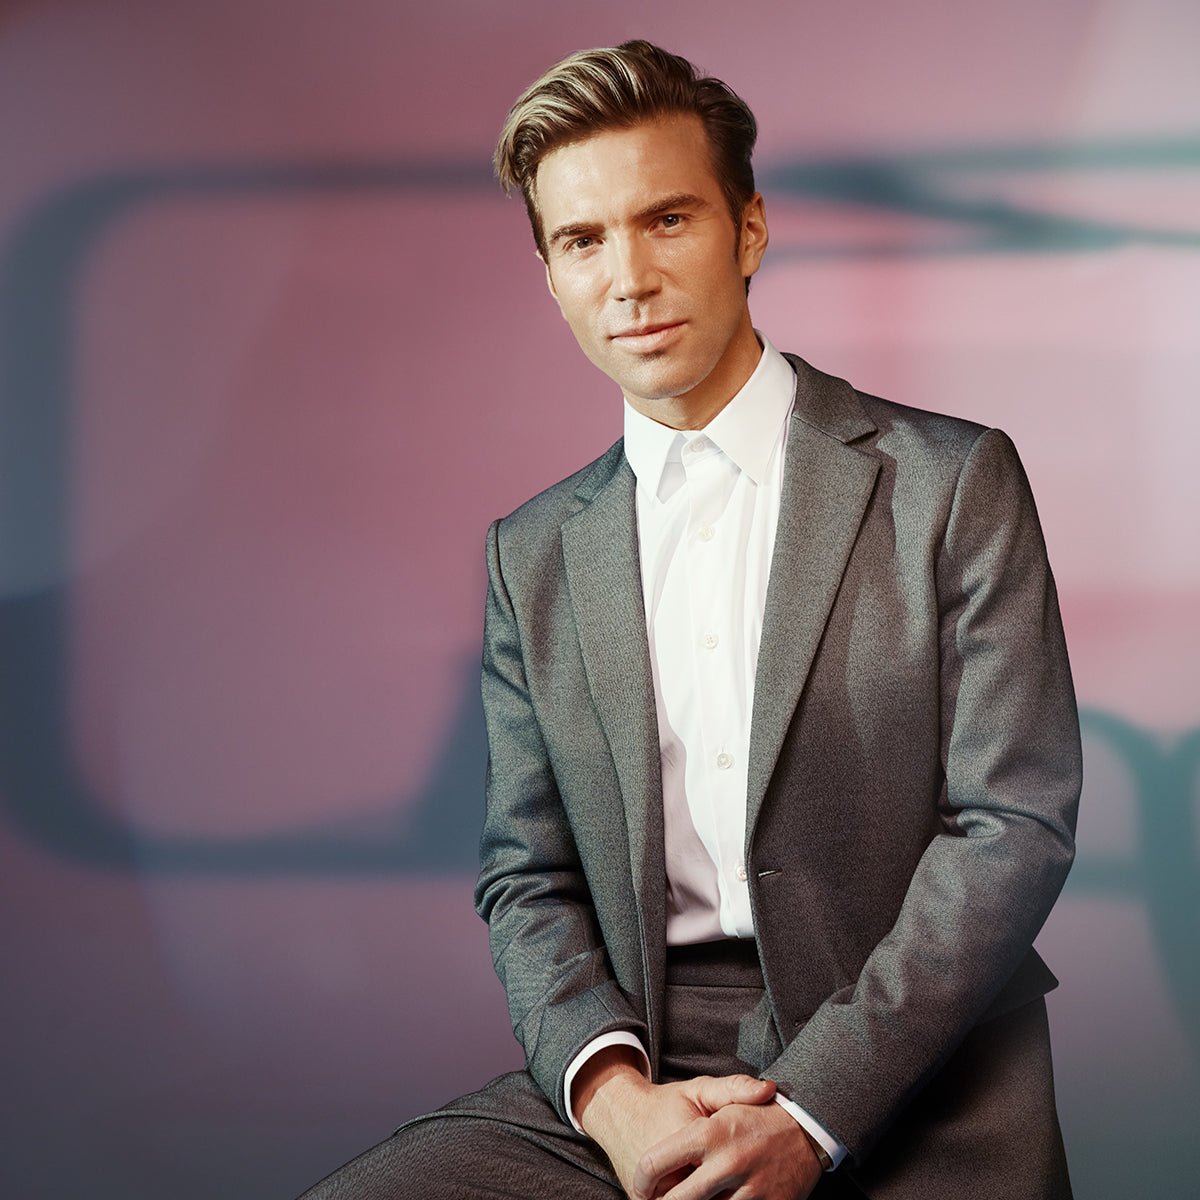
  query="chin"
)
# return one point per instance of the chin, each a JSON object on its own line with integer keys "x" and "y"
{"x": 662, "y": 385}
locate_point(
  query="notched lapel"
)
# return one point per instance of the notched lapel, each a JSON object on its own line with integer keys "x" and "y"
{"x": 826, "y": 487}
{"x": 600, "y": 553}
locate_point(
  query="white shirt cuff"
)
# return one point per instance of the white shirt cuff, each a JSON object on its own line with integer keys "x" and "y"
{"x": 619, "y": 1037}
{"x": 818, "y": 1133}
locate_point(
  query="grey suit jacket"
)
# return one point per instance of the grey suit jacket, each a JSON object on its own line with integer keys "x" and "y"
{"x": 914, "y": 769}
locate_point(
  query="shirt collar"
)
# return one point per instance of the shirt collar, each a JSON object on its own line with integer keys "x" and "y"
{"x": 747, "y": 429}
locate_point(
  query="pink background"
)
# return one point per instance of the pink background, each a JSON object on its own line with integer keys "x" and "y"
{"x": 255, "y": 431}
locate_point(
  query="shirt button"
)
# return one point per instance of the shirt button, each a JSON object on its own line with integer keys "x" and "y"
{"x": 741, "y": 872}
{"x": 709, "y": 640}
{"x": 706, "y": 533}
{"x": 724, "y": 760}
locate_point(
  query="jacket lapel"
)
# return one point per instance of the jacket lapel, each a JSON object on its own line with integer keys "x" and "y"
{"x": 600, "y": 553}
{"x": 826, "y": 487}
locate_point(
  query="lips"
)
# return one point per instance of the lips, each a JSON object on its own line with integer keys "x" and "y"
{"x": 648, "y": 337}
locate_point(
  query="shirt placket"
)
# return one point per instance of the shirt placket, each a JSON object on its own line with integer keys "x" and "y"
{"x": 719, "y": 801}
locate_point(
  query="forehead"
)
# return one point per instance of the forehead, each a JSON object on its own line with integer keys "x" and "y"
{"x": 619, "y": 167}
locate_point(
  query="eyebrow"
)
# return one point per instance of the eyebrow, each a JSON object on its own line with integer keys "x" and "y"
{"x": 670, "y": 204}
{"x": 665, "y": 204}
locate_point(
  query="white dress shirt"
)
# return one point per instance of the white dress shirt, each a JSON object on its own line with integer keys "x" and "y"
{"x": 707, "y": 509}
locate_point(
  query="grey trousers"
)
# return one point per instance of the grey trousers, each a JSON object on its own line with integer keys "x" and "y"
{"x": 506, "y": 1141}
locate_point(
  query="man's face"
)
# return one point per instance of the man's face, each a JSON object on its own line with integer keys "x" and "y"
{"x": 648, "y": 268}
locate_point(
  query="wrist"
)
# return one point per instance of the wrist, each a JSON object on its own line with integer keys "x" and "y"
{"x": 603, "y": 1087}
{"x": 821, "y": 1153}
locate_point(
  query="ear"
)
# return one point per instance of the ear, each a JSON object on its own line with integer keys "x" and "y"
{"x": 753, "y": 241}
{"x": 550, "y": 281}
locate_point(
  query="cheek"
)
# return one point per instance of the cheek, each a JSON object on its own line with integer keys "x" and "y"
{"x": 578, "y": 314}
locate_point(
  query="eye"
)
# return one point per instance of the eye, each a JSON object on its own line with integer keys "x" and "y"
{"x": 577, "y": 244}
{"x": 672, "y": 220}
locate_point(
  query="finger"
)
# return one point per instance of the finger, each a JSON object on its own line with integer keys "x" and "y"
{"x": 714, "y": 1092}
{"x": 663, "y": 1186}
{"x": 705, "y": 1183}
{"x": 682, "y": 1149}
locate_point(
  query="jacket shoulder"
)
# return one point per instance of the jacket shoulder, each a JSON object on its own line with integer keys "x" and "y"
{"x": 918, "y": 430}
{"x": 539, "y": 519}
{"x": 902, "y": 438}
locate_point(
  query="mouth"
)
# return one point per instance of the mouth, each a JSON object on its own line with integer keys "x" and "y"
{"x": 642, "y": 338}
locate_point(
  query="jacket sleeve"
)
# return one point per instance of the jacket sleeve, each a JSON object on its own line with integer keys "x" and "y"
{"x": 532, "y": 891}
{"x": 1009, "y": 741}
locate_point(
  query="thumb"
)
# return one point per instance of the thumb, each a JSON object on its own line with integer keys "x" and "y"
{"x": 714, "y": 1092}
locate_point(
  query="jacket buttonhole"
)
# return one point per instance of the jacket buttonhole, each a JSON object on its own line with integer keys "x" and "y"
{"x": 772, "y": 871}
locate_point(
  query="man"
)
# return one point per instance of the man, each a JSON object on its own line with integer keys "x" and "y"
{"x": 784, "y": 757}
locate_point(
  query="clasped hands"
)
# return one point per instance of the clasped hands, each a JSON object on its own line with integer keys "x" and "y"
{"x": 700, "y": 1139}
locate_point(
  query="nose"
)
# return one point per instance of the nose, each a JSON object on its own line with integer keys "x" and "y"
{"x": 634, "y": 272}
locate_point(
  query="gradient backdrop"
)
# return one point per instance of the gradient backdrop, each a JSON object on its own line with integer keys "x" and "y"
{"x": 273, "y": 351}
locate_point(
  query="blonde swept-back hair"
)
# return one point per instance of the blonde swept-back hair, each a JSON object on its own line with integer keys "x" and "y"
{"x": 617, "y": 88}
